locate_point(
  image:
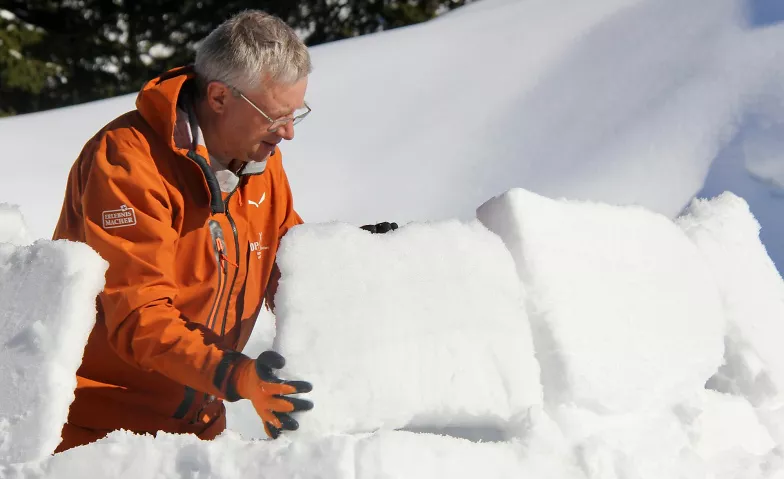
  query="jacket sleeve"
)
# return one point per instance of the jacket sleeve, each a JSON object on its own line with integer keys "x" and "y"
{"x": 128, "y": 220}
{"x": 289, "y": 219}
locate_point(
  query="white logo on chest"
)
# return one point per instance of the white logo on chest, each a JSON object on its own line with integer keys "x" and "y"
{"x": 256, "y": 246}
{"x": 261, "y": 200}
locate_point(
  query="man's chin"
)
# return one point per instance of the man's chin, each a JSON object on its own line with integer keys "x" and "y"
{"x": 262, "y": 152}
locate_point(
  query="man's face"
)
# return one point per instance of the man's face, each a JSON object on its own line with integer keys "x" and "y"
{"x": 243, "y": 130}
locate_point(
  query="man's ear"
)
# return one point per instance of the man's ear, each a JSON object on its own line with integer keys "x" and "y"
{"x": 217, "y": 95}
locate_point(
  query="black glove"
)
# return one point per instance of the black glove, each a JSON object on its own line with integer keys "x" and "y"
{"x": 380, "y": 227}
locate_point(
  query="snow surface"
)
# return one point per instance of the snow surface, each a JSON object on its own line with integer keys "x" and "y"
{"x": 421, "y": 328}
{"x": 47, "y": 293}
{"x": 387, "y": 455}
{"x": 728, "y": 236}
{"x": 609, "y": 282}
{"x": 623, "y": 101}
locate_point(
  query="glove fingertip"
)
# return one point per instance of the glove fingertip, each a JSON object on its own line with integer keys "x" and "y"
{"x": 300, "y": 386}
{"x": 271, "y": 359}
{"x": 299, "y": 404}
{"x": 287, "y": 422}
{"x": 271, "y": 430}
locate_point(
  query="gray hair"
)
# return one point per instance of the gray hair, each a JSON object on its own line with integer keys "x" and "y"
{"x": 250, "y": 47}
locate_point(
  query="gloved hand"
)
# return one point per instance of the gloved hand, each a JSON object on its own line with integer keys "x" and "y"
{"x": 254, "y": 380}
{"x": 380, "y": 227}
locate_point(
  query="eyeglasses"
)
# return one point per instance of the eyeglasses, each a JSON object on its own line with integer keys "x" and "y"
{"x": 295, "y": 117}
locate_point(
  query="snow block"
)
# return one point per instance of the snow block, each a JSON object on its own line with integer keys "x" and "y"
{"x": 47, "y": 293}
{"x": 12, "y": 226}
{"x": 624, "y": 311}
{"x": 421, "y": 328}
{"x": 727, "y": 234}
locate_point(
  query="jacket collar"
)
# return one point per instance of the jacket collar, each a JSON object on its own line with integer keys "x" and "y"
{"x": 166, "y": 105}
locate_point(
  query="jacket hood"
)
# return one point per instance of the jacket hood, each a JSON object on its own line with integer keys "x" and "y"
{"x": 157, "y": 102}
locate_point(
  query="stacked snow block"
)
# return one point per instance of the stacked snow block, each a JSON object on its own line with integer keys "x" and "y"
{"x": 625, "y": 313}
{"x": 727, "y": 234}
{"x": 47, "y": 293}
{"x": 423, "y": 329}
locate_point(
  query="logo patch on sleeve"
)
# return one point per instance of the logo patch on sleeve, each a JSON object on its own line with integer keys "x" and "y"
{"x": 119, "y": 218}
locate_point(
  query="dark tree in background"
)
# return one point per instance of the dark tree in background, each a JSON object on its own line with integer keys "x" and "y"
{"x": 62, "y": 52}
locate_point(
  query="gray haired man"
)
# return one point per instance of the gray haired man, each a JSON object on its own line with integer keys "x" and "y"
{"x": 187, "y": 199}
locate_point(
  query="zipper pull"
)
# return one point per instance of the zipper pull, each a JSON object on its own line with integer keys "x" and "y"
{"x": 239, "y": 195}
{"x": 221, "y": 253}
{"x": 226, "y": 259}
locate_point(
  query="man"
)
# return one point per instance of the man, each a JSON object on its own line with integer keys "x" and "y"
{"x": 187, "y": 199}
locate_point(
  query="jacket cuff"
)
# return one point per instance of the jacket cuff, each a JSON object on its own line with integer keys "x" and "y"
{"x": 223, "y": 379}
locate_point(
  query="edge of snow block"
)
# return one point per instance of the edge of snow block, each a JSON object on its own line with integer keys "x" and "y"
{"x": 600, "y": 289}
{"x": 727, "y": 235}
{"x": 13, "y": 228}
{"x": 48, "y": 291}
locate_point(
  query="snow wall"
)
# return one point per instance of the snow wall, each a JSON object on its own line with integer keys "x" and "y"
{"x": 546, "y": 338}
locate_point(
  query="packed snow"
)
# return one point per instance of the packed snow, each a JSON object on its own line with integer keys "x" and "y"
{"x": 652, "y": 319}
{"x": 422, "y": 328}
{"x": 47, "y": 293}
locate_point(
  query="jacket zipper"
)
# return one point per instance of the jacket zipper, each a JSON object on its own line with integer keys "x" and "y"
{"x": 237, "y": 268}
{"x": 217, "y": 244}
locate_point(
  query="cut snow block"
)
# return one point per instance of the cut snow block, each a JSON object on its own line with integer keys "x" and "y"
{"x": 47, "y": 293}
{"x": 727, "y": 234}
{"x": 421, "y": 328}
{"x": 12, "y": 226}
{"x": 624, "y": 310}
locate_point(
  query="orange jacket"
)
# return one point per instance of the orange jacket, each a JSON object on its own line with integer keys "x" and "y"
{"x": 189, "y": 267}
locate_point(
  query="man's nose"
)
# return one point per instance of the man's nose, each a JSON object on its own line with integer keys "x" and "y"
{"x": 286, "y": 131}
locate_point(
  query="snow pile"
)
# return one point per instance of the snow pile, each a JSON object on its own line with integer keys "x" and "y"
{"x": 728, "y": 236}
{"x": 624, "y": 311}
{"x": 420, "y": 328}
{"x": 48, "y": 292}
{"x": 388, "y": 455}
{"x": 643, "y": 444}
{"x": 12, "y": 226}
{"x": 726, "y": 433}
